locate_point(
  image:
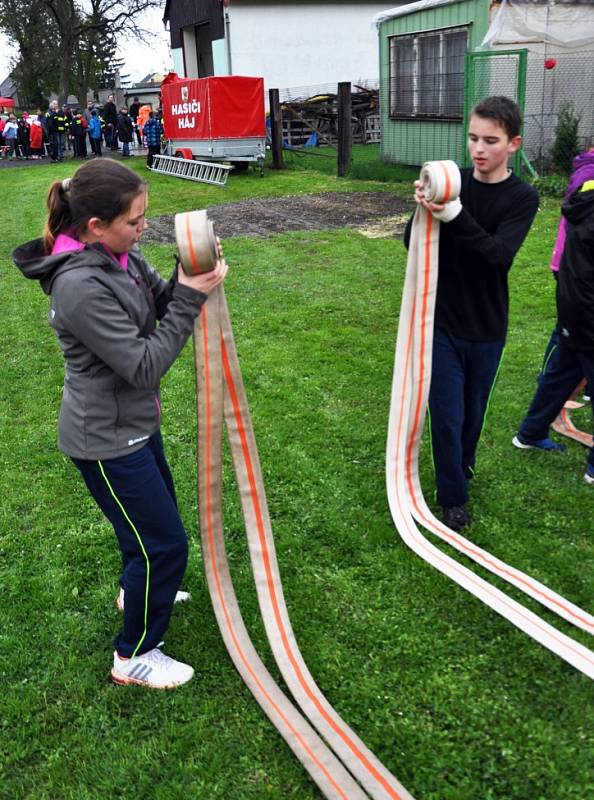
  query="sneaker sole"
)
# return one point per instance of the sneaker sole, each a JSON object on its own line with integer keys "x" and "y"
{"x": 517, "y": 443}
{"x": 588, "y": 478}
{"x": 124, "y": 680}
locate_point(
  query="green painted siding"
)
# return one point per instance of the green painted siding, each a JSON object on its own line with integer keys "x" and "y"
{"x": 416, "y": 141}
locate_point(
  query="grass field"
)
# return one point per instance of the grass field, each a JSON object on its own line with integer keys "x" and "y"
{"x": 457, "y": 703}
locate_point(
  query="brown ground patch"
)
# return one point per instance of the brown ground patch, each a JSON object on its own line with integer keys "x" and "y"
{"x": 374, "y": 214}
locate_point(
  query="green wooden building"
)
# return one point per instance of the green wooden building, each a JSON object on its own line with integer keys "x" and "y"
{"x": 422, "y": 53}
{"x": 439, "y": 57}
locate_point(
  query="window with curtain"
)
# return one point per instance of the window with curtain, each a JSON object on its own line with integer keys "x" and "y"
{"x": 427, "y": 74}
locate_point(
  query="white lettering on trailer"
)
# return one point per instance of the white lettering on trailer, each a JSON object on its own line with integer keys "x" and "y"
{"x": 186, "y": 108}
{"x": 187, "y": 122}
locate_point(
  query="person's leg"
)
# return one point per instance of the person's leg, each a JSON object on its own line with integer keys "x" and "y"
{"x": 133, "y": 495}
{"x": 98, "y": 146}
{"x": 482, "y": 367}
{"x": 587, "y": 364}
{"x": 559, "y": 377}
{"x": 446, "y": 405}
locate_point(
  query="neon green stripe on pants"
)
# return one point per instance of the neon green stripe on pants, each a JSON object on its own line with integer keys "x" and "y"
{"x": 148, "y": 565}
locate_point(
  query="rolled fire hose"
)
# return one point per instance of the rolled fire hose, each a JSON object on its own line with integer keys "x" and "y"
{"x": 410, "y": 391}
{"x": 221, "y": 397}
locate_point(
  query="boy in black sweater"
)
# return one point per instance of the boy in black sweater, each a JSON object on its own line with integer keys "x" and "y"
{"x": 480, "y": 235}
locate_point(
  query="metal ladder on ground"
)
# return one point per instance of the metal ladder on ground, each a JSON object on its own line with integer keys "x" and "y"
{"x": 202, "y": 171}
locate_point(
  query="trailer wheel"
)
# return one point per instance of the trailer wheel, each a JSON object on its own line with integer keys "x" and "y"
{"x": 240, "y": 166}
{"x": 184, "y": 152}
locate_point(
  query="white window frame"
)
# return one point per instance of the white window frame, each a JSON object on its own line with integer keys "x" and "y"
{"x": 413, "y": 109}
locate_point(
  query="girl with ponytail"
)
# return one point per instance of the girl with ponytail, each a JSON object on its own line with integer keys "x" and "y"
{"x": 120, "y": 327}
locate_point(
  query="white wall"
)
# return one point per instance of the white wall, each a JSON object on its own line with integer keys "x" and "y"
{"x": 295, "y": 45}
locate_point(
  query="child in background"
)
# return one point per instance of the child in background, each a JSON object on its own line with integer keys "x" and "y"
{"x": 95, "y": 133}
{"x": 152, "y": 134}
{"x": 573, "y": 356}
{"x": 24, "y": 136}
{"x": 11, "y": 133}
{"x": 36, "y": 138}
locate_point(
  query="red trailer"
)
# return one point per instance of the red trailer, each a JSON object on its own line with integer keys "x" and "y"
{"x": 215, "y": 118}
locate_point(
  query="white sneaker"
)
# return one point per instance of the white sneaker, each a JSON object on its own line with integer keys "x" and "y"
{"x": 153, "y": 669}
{"x": 180, "y": 597}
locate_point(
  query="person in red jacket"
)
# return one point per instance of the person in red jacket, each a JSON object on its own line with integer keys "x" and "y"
{"x": 36, "y": 138}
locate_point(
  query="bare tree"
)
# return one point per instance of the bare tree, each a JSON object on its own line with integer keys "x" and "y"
{"x": 78, "y": 37}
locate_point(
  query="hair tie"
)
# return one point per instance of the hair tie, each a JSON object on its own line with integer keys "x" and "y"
{"x": 65, "y": 184}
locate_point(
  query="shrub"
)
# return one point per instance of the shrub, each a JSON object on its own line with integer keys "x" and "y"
{"x": 565, "y": 147}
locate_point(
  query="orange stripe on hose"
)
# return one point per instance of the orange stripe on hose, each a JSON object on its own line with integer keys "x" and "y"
{"x": 193, "y": 259}
{"x": 448, "y": 183}
{"x": 221, "y": 596}
{"x": 271, "y": 588}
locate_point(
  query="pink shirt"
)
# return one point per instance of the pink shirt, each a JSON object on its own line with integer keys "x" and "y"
{"x": 66, "y": 244}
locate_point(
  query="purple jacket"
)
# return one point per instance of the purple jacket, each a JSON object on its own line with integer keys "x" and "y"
{"x": 583, "y": 170}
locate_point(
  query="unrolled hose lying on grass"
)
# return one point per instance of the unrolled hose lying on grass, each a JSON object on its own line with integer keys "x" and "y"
{"x": 221, "y": 398}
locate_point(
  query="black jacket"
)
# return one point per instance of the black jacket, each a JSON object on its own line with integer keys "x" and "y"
{"x": 125, "y": 128}
{"x": 575, "y": 286}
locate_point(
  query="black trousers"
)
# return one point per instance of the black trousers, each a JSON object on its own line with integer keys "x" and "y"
{"x": 462, "y": 379}
{"x": 136, "y": 494}
{"x": 562, "y": 370}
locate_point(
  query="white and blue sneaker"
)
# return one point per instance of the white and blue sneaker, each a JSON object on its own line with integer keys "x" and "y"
{"x": 153, "y": 669}
{"x": 589, "y": 474}
{"x": 537, "y": 444}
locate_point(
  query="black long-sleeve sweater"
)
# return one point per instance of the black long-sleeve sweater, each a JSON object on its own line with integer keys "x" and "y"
{"x": 476, "y": 251}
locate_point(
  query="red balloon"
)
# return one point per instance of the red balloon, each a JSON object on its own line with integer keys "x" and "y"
{"x": 550, "y": 63}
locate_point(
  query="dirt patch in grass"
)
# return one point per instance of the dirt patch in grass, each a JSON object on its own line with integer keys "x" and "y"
{"x": 372, "y": 213}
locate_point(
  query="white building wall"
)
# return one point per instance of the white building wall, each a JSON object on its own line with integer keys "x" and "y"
{"x": 305, "y": 44}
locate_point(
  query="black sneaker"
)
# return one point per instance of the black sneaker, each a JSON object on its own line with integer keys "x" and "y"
{"x": 456, "y": 517}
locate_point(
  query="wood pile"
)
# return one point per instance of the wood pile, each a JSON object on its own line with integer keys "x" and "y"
{"x": 319, "y": 115}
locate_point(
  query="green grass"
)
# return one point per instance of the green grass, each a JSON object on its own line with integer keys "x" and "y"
{"x": 453, "y": 699}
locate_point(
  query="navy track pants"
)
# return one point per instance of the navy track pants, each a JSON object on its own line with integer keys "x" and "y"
{"x": 136, "y": 494}
{"x": 562, "y": 371}
{"x": 462, "y": 377}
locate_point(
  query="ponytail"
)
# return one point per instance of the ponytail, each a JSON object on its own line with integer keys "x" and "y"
{"x": 59, "y": 217}
{"x": 102, "y": 188}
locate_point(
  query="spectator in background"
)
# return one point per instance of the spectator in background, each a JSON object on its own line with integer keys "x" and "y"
{"x": 143, "y": 116}
{"x": 10, "y": 137}
{"x": 79, "y": 134}
{"x": 87, "y": 112}
{"x": 125, "y": 131}
{"x": 51, "y": 127}
{"x": 152, "y": 134}
{"x": 95, "y": 132}
{"x": 36, "y": 138}
{"x": 68, "y": 133}
{"x": 110, "y": 114}
{"x": 23, "y": 136}
{"x": 134, "y": 109}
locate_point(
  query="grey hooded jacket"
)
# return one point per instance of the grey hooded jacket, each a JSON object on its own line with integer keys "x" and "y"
{"x": 106, "y": 322}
